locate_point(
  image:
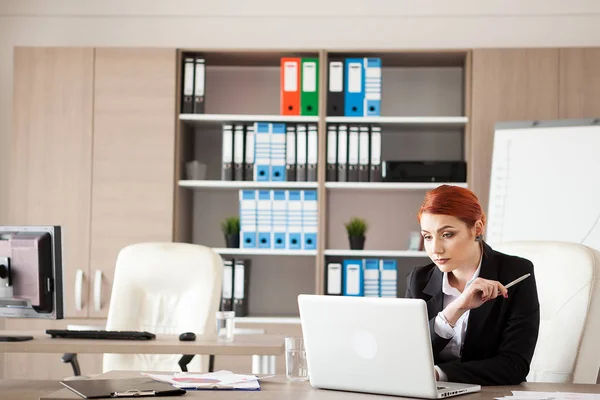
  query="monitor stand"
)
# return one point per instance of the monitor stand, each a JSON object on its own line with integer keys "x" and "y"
{"x": 4, "y": 338}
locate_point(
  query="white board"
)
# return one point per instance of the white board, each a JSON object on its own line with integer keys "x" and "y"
{"x": 545, "y": 182}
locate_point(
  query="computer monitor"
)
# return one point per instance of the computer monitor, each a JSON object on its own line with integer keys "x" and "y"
{"x": 31, "y": 279}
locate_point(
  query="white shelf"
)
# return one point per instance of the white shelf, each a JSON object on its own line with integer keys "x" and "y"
{"x": 218, "y": 119}
{"x": 246, "y": 185}
{"x": 375, "y": 253}
{"x": 265, "y": 252}
{"x": 447, "y": 122}
{"x": 267, "y": 320}
{"x": 389, "y": 185}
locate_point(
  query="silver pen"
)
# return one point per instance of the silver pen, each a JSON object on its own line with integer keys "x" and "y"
{"x": 522, "y": 278}
{"x": 517, "y": 280}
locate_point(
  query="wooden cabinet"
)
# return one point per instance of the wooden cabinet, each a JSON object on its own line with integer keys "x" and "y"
{"x": 134, "y": 158}
{"x": 93, "y": 150}
{"x": 51, "y": 153}
{"x": 508, "y": 85}
{"x": 579, "y": 83}
{"x": 51, "y": 177}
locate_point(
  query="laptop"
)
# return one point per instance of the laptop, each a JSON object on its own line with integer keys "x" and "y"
{"x": 372, "y": 345}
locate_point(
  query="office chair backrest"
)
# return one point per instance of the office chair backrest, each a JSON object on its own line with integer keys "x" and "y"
{"x": 567, "y": 281}
{"x": 164, "y": 288}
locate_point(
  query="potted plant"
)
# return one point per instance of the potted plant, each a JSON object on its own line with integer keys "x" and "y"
{"x": 231, "y": 229}
{"x": 356, "y": 229}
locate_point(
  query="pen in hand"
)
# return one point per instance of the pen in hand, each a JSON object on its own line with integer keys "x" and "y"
{"x": 517, "y": 281}
{"x": 522, "y": 278}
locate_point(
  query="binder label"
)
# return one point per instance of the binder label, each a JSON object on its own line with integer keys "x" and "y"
{"x": 354, "y": 78}
{"x": 227, "y": 280}
{"x": 336, "y": 76}
{"x": 291, "y": 145}
{"x": 199, "y": 80}
{"x": 227, "y": 144}
{"x": 249, "y": 144}
{"x": 309, "y": 77}
{"x": 353, "y": 147}
{"x": 342, "y": 145}
{"x": 238, "y": 284}
{"x": 188, "y": 76}
{"x": 331, "y": 145}
{"x": 312, "y": 145}
{"x": 238, "y": 141}
{"x": 334, "y": 278}
{"x": 363, "y": 155}
{"x": 375, "y": 147}
{"x": 290, "y": 76}
{"x": 353, "y": 283}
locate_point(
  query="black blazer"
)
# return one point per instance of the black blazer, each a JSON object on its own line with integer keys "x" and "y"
{"x": 501, "y": 334}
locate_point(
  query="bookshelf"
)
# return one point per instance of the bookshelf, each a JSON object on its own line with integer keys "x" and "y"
{"x": 425, "y": 114}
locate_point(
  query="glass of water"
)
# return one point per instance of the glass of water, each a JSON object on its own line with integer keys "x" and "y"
{"x": 296, "y": 368}
{"x": 225, "y": 326}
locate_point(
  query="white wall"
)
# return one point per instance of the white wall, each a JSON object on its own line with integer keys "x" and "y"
{"x": 285, "y": 24}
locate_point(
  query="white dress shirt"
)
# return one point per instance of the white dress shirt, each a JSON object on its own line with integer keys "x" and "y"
{"x": 453, "y": 349}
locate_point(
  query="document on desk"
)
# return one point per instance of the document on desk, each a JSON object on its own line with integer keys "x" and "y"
{"x": 220, "y": 380}
{"x": 525, "y": 395}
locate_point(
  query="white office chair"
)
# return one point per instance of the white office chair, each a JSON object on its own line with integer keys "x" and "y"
{"x": 567, "y": 276}
{"x": 164, "y": 288}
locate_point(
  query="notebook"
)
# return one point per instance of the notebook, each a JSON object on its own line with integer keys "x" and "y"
{"x": 219, "y": 380}
{"x": 121, "y": 388}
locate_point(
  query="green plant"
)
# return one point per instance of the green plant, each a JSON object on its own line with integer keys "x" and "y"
{"x": 230, "y": 226}
{"x": 356, "y": 227}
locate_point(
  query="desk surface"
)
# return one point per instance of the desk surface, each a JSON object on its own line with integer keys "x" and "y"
{"x": 16, "y": 389}
{"x": 278, "y": 388}
{"x": 163, "y": 344}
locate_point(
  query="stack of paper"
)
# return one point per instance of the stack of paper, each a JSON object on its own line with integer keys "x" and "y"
{"x": 522, "y": 395}
{"x": 226, "y": 380}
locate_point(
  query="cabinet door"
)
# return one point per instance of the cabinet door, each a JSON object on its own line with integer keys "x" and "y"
{"x": 134, "y": 156}
{"x": 508, "y": 85}
{"x": 51, "y": 153}
{"x": 580, "y": 83}
{"x": 50, "y": 180}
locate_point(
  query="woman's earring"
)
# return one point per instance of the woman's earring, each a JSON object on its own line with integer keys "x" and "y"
{"x": 478, "y": 238}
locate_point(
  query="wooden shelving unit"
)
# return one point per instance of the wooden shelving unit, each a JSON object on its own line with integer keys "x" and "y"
{"x": 424, "y": 116}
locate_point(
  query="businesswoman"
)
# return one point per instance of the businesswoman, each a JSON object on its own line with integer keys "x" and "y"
{"x": 481, "y": 332}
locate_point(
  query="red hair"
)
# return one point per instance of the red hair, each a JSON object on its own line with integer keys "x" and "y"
{"x": 456, "y": 201}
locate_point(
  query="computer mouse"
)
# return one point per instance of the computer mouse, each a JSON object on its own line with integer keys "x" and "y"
{"x": 187, "y": 336}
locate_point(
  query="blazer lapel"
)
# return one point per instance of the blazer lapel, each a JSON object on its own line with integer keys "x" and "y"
{"x": 478, "y": 316}
{"x": 434, "y": 289}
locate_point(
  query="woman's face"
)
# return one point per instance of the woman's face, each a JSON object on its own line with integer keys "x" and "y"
{"x": 449, "y": 242}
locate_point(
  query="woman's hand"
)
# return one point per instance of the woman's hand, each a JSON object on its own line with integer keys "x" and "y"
{"x": 480, "y": 291}
{"x": 477, "y": 293}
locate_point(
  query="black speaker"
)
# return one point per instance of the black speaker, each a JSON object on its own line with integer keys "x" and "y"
{"x": 424, "y": 171}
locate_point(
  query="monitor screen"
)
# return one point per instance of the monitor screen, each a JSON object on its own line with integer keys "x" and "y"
{"x": 31, "y": 280}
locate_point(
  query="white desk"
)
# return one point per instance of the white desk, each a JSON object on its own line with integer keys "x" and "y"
{"x": 262, "y": 348}
{"x": 278, "y": 388}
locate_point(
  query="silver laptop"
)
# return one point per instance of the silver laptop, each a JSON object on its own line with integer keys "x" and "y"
{"x": 372, "y": 345}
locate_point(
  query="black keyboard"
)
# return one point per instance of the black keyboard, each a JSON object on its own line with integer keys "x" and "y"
{"x": 92, "y": 334}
